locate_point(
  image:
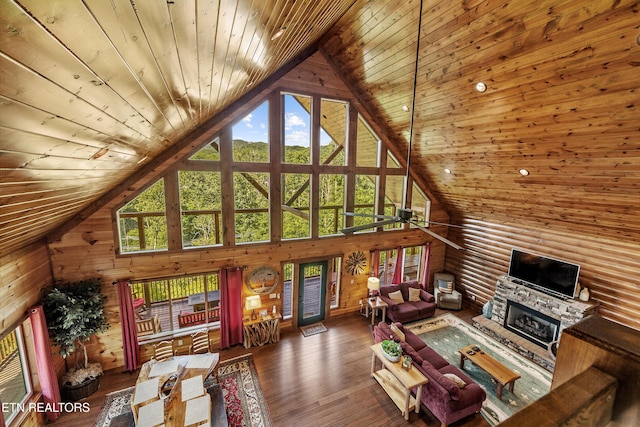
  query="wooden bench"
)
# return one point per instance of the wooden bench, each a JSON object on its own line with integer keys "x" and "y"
{"x": 198, "y": 318}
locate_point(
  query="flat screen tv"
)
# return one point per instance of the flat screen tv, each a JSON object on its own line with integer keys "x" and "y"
{"x": 554, "y": 277}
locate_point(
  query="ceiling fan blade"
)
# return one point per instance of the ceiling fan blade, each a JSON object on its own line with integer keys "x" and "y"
{"x": 367, "y": 226}
{"x": 442, "y": 223}
{"x": 439, "y": 237}
{"x": 369, "y": 215}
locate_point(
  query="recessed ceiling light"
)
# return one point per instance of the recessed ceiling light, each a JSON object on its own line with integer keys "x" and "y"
{"x": 524, "y": 172}
{"x": 405, "y": 108}
{"x": 481, "y": 86}
{"x": 447, "y": 170}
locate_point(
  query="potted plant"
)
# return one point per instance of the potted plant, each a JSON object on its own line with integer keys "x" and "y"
{"x": 391, "y": 350}
{"x": 74, "y": 313}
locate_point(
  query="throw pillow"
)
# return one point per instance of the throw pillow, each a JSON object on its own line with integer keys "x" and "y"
{"x": 438, "y": 377}
{"x": 397, "y": 332}
{"x": 446, "y": 286}
{"x": 414, "y": 294}
{"x": 456, "y": 379}
{"x": 396, "y": 297}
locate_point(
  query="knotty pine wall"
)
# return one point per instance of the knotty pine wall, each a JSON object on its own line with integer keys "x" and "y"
{"x": 86, "y": 248}
{"x": 609, "y": 267}
{"x": 24, "y": 273}
{"x": 73, "y": 258}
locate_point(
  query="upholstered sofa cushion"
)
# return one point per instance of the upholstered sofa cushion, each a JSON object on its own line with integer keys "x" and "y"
{"x": 431, "y": 356}
{"x": 409, "y": 351}
{"x": 407, "y": 311}
{"x": 446, "y": 383}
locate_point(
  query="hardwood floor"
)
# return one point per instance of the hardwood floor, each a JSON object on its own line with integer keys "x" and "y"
{"x": 321, "y": 380}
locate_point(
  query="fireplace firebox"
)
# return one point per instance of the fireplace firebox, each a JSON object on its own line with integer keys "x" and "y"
{"x": 536, "y": 327}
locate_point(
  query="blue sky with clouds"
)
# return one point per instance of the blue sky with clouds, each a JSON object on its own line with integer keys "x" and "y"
{"x": 254, "y": 127}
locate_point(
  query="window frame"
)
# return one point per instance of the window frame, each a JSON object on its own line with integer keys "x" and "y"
{"x": 25, "y": 369}
{"x": 179, "y": 332}
{"x": 386, "y": 165}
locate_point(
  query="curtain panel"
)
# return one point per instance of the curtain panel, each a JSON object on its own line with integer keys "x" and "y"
{"x": 230, "y": 307}
{"x": 44, "y": 362}
{"x": 130, "y": 347}
{"x": 375, "y": 263}
{"x": 426, "y": 257}
{"x": 398, "y": 271}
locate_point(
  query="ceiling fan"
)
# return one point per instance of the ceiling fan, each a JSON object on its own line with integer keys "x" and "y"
{"x": 403, "y": 215}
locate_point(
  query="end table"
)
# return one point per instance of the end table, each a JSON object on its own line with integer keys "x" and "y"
{"x": 375, "y": 305}
{"x": 264, "y": 330}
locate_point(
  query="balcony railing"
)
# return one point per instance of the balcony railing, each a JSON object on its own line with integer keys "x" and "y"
{"x": 139, "y": 219}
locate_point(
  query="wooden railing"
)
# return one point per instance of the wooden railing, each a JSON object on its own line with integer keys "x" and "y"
{"x": 140, "y": 217}
{"x": 8, "y": 346}
{"x": 158, "y": 291}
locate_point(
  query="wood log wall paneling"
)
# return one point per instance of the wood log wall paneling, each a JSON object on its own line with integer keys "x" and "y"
{"x": 609, "y": 267}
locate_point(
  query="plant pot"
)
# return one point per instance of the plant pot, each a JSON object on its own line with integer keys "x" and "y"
{"x": 391, "y": 358}
{"x": 77, "y": 392}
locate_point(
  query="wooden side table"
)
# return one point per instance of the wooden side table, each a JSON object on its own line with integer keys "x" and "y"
{"x": 397, "y": 382}
{"x": 376, "y": 305}
{"x": 264, "y": 330}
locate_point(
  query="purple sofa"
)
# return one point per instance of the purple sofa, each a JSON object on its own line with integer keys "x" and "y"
{"x": 441, "y": 396}
{"x": 408, "y": 311}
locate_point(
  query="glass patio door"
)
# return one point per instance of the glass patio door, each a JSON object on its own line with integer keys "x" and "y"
{"x": 312, "y": 292}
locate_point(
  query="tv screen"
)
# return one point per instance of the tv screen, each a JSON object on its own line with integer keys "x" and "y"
{"x": 554, "y": 277}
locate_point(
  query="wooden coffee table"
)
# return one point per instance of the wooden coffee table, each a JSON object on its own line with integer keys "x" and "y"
{"x": 500, "y": 373}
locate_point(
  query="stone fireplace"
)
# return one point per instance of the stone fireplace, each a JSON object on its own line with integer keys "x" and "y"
{"x": 530, "y": 324}
{"x": 527, "y": 320}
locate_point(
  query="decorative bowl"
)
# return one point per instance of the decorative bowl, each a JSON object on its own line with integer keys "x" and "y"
{"x": 393, "y": 345}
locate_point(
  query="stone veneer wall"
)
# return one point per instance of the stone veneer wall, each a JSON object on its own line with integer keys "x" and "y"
{"x": 567, "y": 312}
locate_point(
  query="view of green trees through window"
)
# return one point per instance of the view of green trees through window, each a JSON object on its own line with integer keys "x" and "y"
{"x": 249, "y": 173}
{"x": 143, "y": 222}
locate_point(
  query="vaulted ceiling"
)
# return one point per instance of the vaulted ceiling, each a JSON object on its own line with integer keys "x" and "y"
{"x": 93, "y": 90}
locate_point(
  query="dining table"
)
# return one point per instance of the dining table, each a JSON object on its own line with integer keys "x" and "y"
{"x": 172, "y": 393}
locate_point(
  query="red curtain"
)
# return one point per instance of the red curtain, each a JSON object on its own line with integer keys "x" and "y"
{"x": 230, "y": 307}
{"x": 375, "y": 263}
{"x": 398, "y": 272}
{"x": 130, "y": 346}
{"x": 426, "y": 257}
{"x": 44, "y": 362}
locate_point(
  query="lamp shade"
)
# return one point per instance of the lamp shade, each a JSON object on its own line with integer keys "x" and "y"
{"x": 373, "y": 283}
{"x": 252, "y": 302}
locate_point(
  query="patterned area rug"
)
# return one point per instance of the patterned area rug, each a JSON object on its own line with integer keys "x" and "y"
{"x": 243, "y": 398}
{"x": 316, "y": 328}
{"x": 446, "y": 334}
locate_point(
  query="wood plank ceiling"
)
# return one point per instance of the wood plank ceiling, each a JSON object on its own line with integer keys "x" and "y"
{"x": 93, "y": 90}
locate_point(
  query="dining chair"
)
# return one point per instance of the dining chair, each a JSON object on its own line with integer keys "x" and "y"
{"x": 200, "y": 342}
{"x": 163, "y": 350}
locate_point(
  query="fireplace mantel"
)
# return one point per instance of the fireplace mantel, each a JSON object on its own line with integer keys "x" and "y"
{"x": 567, "y": 312}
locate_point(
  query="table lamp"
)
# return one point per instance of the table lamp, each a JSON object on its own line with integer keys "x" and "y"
{"x": 373, "y": 284}
{"x": 252, "y": 303}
